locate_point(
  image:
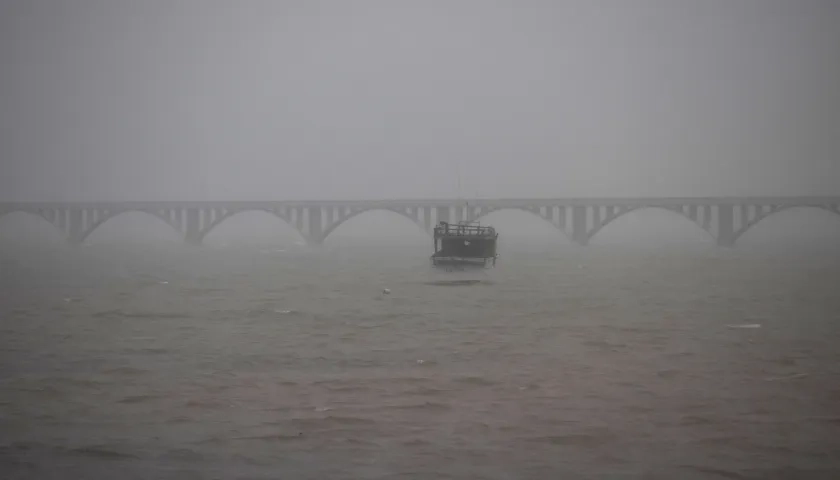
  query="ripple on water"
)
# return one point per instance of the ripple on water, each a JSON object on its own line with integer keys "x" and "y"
{"x": 426, "y": 391}
{"x": 587, "y": 440}
{"x": 421, "y": 407}
{"x": 206, "y": 404}
{"x": 119, "y": 313}
{"x": 298, "y": 369}
{"x": 182, "y": 455}
{"x": 276, "y": 437}
{"x": 476, "y": 381}
{"x": 102, "y": 452}
{"x": 329, "y": 421}
{"x": 125, "y": 371}
{"x": 133, "y": 399}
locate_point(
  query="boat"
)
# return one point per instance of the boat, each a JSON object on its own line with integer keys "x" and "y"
{"x": 464, "y": 244}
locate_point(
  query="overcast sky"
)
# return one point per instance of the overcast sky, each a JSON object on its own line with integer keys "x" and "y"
{"x": 247, "y": 99}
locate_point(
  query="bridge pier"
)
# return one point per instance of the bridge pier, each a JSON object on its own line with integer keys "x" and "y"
{"x": 726, "y": 226}
{"x": 192, "y": 230}
{"x": 315, "y": 236}
{"x": 580, "y": 234}
{"x": 75, "y": 226}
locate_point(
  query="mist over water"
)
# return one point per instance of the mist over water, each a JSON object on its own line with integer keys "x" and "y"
{"x": 257, "y": 357}
{"x": 651, "y": 353}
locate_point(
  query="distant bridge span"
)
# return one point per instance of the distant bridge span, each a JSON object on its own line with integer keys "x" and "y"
{"x": 725, "y": 219}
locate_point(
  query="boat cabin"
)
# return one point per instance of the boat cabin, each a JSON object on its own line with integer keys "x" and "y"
{"x": 464, "y": 243}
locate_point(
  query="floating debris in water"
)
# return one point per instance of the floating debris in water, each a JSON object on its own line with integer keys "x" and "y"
{"x": 746, "y": 325}
{"x": 386, "y": 291}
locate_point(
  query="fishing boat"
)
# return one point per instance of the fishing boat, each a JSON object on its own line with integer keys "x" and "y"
{"x": 464, "y": 244}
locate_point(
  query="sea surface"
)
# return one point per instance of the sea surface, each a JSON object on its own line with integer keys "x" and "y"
{"x": 170, "y": 362}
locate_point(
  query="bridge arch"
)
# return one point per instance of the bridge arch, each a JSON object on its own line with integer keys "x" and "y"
{"x": 750, "y": 225}
{"x": 233, "y": 213}
{"x": 41, "y": 219}
{"x": 83, "y": 236}
{"x": 592, "y": 232}
{"x": 535, "y": 212}
{"x": 330, "y": 228}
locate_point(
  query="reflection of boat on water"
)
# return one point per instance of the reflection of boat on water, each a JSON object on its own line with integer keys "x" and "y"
{"x": 464, "y": 245}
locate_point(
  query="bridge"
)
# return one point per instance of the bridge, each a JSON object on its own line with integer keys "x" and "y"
{"x": 580, "y": 219}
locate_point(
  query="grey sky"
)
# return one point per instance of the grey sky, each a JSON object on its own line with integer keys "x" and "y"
{"x": 212, "y": 99}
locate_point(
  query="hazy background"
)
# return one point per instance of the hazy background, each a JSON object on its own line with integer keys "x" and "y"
{"x": 211, "y": 99}
{"x": 257, "y": 356}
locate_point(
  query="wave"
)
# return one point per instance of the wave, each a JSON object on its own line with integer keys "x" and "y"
{"x": 425, "y": 406}
{"x": 139, "y": 399}
{"x": 479, "y": 381}
{"x": 575, "y": 439}
{"x": 102, "y": 452}
{"x": 275, "y": 437}
{"x": 118, "y": 313}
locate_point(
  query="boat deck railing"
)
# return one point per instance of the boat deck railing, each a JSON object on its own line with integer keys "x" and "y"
{"x": 463, "y": 229}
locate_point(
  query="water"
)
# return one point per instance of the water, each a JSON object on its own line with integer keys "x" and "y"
{"x": 266, "y": 363}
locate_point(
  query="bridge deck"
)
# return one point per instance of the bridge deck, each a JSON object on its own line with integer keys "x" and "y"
{"x": 723, "y": 218}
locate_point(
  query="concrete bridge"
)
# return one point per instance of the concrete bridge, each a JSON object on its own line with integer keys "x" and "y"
{"x": 580, "y": 219}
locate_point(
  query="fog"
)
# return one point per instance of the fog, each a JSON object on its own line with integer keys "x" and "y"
{"x": 276, "y": 348}
{"x": 211, "y": 99}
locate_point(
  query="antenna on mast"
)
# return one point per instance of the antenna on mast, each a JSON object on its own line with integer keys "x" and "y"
{"x": 458, "y": 175}
{"x": 460, "y": 196}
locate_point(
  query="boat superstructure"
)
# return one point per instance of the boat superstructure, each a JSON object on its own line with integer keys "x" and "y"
{"x": 464, "y": 244}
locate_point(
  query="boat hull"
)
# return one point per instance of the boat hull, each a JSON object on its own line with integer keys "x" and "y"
{"x": 461, "y": 263}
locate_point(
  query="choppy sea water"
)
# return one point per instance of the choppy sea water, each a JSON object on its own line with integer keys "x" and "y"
{"x": 284, "y": 363}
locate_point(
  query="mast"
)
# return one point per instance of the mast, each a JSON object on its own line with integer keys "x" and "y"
{"x": 458, "y": 176}
{"x": 461, "y": 204}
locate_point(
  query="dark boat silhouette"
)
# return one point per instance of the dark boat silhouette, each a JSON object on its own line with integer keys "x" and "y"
{"x": 464, "y": 244}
